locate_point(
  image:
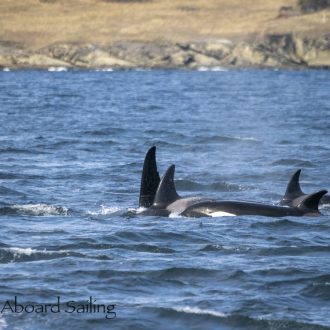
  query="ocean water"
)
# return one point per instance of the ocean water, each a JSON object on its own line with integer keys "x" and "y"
{"x": 72, "y": 146}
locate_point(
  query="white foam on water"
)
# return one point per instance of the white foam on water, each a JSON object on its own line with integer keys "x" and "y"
{"x": 140, "y": 209}
{"x": 213, "y": 69}
{"x": 105, "y": 210}
{"x": 6, "y": 69}
{"x": 324, "y": 206}
{"x": 203, "y": 68}
{"x": 57, "y": 69}
{"x": 219, "y": 69}
{"x": 41, "y": 209}
{"x": 246, "y": 138}
{"x": 105, "y": 70}
{"x": 175, "y": 215}
{"x": 3, "y": 323}
{"x": 19, "y": 251}
{"x": 199, "y": 311}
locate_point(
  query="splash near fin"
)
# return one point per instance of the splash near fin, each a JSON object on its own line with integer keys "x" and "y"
{"x": 166, "y": 192}
{"x": 149, "y": 180}
{"x": 293, "y": 189}
{"x": 310, "y": 203}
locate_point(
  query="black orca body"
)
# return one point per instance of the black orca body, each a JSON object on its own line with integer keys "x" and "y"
{"x": 150, "y": 179}
{"x": 294, "y": 195}
{"x": 165, "y": 200}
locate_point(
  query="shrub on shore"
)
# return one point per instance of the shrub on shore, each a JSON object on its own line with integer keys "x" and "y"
{"x": 309, "y": 6}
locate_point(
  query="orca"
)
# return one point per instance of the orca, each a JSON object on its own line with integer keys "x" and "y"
{"x": 294, "y": 195}
{"x": 166, "y": 201}
{"x": 150, "y": 179}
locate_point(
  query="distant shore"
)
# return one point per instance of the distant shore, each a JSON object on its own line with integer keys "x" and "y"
{"x": 117, "y": 34}
{"x": 273, "y": 51}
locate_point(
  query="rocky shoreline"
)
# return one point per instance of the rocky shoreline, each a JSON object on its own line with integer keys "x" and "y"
{"x": 268, "y": 51}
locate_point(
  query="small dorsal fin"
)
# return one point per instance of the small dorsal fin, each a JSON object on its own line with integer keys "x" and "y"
{"x": 166, "y": 192}
{"x": 293, "y": 189}
{"x": 150, "y": 179}
{"x": 310, "y": 203}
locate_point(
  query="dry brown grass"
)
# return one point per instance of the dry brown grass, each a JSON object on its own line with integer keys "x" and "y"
{"x": 36, "y": 24}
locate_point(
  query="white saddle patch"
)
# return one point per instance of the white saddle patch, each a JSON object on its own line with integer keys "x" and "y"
{"x": 221, "y": 214}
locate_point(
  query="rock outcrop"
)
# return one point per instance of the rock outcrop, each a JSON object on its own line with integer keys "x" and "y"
{"x": 271, "y": 50}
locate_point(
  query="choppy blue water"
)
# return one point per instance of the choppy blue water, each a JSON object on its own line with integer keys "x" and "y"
{"x": 71, "y": 153}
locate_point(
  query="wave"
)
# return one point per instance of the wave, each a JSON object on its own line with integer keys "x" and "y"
{"x": 278, "y": 224}
{"x": 175, "y": 215}
{"x": 34, "y": 209}
{"x": 324, "y": 206}
{"x": 165, "y": 143}
{"x": 224, "y": 248}
{"x": 199, "y": 311}
{"x": 162, "y": 132}
{"x": 140, "y": 247}
{"x": 173, "y": 273}
{"x": 57, "y": 69}
{"x": 318, "y": 288}
{"x": 292, "y": 250}
{"x": 303, "y": 223}
{"x": 213, "y": 69}
{"x": 189, "y": 316}
{"x": 17, "y": 254}
{"x": 109, "y": 211}
{"x": 105, "y": 70}
{"x": 108, "y": 131}
{"x": 293, "y": 162}
{"x": 289, "y": 271}
{"x": 221, "y": 186}
{"x": 168, "y": 274}
{"x": 226, "y": 139}
{"x": 6, "y": 175}
{"x": 9, "y": 176}
{"x": 3, "y": 323}
{"x": 105, "y": 210}
{"x": 187, "y": 272}
{"x": 64, "y": 142}
{"x": 100, "y": 143}
{"x": 16, "y": 150}
{"x": 7, "y": 191}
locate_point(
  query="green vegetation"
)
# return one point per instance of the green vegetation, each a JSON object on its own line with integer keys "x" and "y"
{"x": 309, "y": 6}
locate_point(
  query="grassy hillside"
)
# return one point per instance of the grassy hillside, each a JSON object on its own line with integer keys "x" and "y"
{"x": 38, "y": 23}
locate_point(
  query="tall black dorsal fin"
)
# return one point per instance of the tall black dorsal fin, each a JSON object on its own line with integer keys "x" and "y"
{"x": 293, "y": 189}
{"x": 310, "y": 203}
{"x": 150, "y": 179}
{"x": 166, "y": 192}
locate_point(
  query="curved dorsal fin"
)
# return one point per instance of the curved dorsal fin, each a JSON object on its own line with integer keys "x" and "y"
{"x": 293, "y": 189}
{"x": 310, "y": 203}
{"x": 166, "y": 192}
{"x": 149, "y": 180}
